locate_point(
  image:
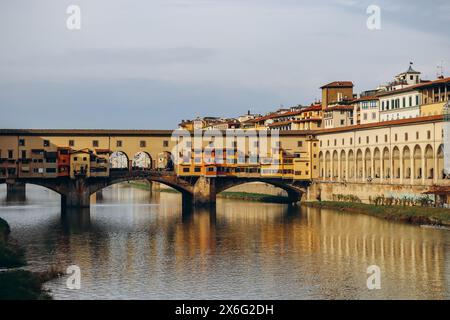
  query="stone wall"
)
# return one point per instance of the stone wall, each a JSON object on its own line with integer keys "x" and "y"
{"x": 325, "y": 190}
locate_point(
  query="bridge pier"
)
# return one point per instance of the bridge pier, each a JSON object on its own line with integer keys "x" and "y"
{"x": 15, "y": 191}
{"x": 78, "y": 195}
{"x": 204, "y": 192}
{"x": 294, "y": 197}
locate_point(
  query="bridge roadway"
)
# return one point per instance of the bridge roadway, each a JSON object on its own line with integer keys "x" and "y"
{"x": 197, "y": 191}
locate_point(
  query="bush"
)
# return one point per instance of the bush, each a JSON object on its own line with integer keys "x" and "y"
{"x": 21, "y": 285}
{"x": 346, "y": 198}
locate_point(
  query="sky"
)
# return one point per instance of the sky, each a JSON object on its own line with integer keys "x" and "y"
{"x": 148, "y": 64}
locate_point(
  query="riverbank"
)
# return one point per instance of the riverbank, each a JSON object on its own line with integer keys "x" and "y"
{"x": 19, "y": 284}
{"x": 414, "y": 215}
{"x": 248, "y": 196}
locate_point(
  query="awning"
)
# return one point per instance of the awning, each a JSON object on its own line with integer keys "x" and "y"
{"x": 443, "y": 190}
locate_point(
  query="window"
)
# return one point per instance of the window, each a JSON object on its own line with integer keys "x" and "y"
{"x": 50, "y": 170}
{"x": 10, "y": 154}
{"x": 359, "y": 140}
{"x": 342, "y": 122}
{"x": 46, "y": 143}
{"x": 395, "y": 137}
{"x": 196, "y": 169}
{"x": 165, "y": 143}
{"x": 75, "y": 159}
{"x": 351, "y": 141}
{"x": 343, "y": 141}
{"x": 417, "y": 100}
{"x": 95, "y": 143}
{"x": 376, "y": 139}
{"x": 21, "y": 142}
{"x": 299, "y": 144}
{"x": 404, "y": 102}
{"x": 428, "y": 134}
{"x": 335, "y": 142}
{"x": 24, "y": 154}
{"x": 417, "y": 135}
{"x": 406, "y": 136}
{"x": 367, "y": 139}
{"x": 142, "y": 144}
{"x": 410, "y": 101}
{"x": 385, "y": 138}
{"x": 185, "y": 169}
{"x": 84, "y": 158}
{"x": 71, "y": 143}
{"x": 119, "y": 143}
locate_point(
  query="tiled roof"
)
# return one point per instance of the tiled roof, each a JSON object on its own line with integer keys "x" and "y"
{"x": 415, "y": 87}
{"x": 338, "y": 84}
{"x": 383, "y": 124}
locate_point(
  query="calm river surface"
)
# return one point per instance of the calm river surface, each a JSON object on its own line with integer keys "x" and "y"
{"x": 137, "y": 245}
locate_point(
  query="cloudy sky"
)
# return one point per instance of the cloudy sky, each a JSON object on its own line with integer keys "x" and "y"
{"x": 150, "y": 63}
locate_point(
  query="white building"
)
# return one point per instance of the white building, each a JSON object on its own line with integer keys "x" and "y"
{"x": 401, "y": 98}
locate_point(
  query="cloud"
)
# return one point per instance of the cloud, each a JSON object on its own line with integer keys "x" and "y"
{"x": 191, "y": 57}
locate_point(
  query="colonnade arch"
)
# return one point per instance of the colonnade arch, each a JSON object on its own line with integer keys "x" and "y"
{"x": 413, "y": 163}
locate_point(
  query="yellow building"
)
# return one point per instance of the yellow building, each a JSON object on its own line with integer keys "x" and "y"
{"x": 80, "y": 163}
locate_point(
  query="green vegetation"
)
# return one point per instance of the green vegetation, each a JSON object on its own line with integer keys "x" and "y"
{"x": 19, "y": 284}
{"x": 411, "y": 214}
{"x": 22, "y": 285}
{"x": 259, "y": 197}
{"x": 11, "y": 255}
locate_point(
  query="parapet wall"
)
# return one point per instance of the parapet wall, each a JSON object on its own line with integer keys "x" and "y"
{"x": 324, "y": 190}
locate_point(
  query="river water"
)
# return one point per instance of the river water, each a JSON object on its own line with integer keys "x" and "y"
{"x": 133, "y": 244}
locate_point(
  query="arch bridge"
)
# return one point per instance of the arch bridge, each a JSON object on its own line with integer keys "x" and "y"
{"x": 197, "y": 191}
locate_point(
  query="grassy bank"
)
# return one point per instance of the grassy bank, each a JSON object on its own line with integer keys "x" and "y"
{"x": 415, "y": 215}
{"x": 248, "y": 196}
{"x": 19, "y": 284}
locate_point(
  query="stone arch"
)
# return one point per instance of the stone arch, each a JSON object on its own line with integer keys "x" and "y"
{"x": 179, "y": 187}
{"x": 368, "y": 163}
{"x": 335, "y": 164}
{"x": 429, "y": 169}
{"x": 40, "y": 183}
{"x": 294, "y": 192}
{"x": 440, "y": 162}
{"x": 142, "y": 160}
{"x": 351, "y": 164}
{"x": 396, "y": 163}
{"x": 417, "y": 162}
{"x": 165, "y": 161}
{"x": 321, "y": 165}
{"x": 343, "y": 162}
{"x": 406, "y": 159}
{"x": 327, "y": 164}
{"x": 359, "y": 164}
{"x": 377, "y": 163}
{"x": 386, "y": 163}
{"x": 119, "y": 160}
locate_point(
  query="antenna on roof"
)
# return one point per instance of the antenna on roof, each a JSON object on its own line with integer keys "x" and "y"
{"x": 440, "y": 70}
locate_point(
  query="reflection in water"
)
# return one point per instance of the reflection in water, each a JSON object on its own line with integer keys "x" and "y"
{"x": 136, "y": 244}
